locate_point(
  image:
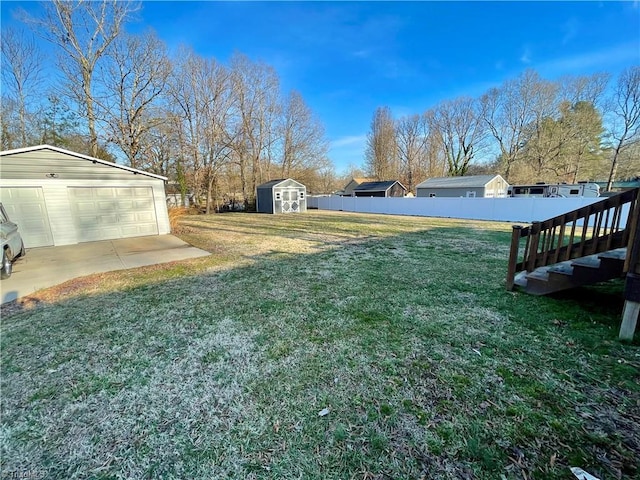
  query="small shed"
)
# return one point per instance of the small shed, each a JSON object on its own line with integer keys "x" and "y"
{"x": 60, "y": 197}
{"x": 487, "y": 186}
{"x": 281, "y": 196}
{"x": 392, "y": 188}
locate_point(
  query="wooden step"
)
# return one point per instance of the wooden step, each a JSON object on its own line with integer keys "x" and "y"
{"x": 573, "y": 273}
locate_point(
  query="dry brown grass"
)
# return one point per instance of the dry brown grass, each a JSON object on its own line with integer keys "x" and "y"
{"x": 175, "y": 214}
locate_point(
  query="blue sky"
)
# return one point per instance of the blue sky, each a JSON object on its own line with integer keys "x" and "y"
{"x": 348, "y": 58}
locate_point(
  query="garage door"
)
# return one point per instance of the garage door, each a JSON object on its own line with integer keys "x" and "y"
{"x": 26, "y": 207}
{"x": 103, "y": 213}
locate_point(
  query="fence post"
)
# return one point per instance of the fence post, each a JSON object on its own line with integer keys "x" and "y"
{"x": 513, "y": 255}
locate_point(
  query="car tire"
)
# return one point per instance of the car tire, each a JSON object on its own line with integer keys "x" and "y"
{"x": 7, "y": 266}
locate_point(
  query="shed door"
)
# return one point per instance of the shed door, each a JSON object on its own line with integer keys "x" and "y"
{"x": 290, "y": 201}
{"x": 26, "y": 207}
{"x": 103, "y": 213}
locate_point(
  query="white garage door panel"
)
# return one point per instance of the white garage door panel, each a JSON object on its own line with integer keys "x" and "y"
{"x": 26, "y": 207}
{"x": 103, "y": 213}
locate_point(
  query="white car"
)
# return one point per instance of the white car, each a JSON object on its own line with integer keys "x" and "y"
{"x": 12, "y": 244}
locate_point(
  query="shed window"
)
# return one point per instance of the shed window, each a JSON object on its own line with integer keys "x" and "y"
{"x": 277, "y": 195}
{"x": 301, "y": 195}
{"x": 432, "y": 195}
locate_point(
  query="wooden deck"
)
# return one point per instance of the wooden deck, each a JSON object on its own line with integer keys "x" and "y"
{"x": 587, "y": 245}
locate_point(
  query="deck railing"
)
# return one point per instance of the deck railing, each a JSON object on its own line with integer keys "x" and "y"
{"x": 588, "y": 230}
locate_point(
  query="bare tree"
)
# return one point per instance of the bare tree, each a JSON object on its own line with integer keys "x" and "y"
{"x": 587, "y": 88}
{"x": 411, "y": 138}
{"x": 187, "y": 114}
{"x": 541, "y": 144}
{"x": 218, "y": 108}
{"x": 201, "y": 94}
{"x": 83, "y": 30}
{"x": 381, "y": 154}
{"x": 302, "y": 134}
{"x": 21, "y": 76}
{"x": 256, "y": 88}
{"x": 133, "y": 82}
{"x": 624, "y": 129}
{"x": 508, "y": 111}
{"x": 461, "y": 132}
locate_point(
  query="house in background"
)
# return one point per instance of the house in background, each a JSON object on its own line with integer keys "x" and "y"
{"x": 353, "y": 184}
{"x": 281, "y": 196}
{"x": 59, "y": 197}
{"x": 487, "y": 186}
{"x": 392, "y": 188}
{"x": 175, "y": 197}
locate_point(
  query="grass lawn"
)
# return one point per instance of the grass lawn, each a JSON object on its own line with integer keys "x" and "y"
{"x": 397, "y": 329}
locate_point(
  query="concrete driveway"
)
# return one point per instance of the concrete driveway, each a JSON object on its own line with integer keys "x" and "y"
{"x": 48, "y": 266}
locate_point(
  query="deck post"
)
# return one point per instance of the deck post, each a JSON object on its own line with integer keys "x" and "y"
{"x": 632, "y": 282}
{"x": 630, "y": 314}
{"x": 513, "y": 255}
{"x": 534, "y": 244}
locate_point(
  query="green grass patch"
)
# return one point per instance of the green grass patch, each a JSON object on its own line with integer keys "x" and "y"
{"x": 399, "y": 327}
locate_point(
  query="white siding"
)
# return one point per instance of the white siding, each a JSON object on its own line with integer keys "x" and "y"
{"x": 27, "y": 208}
{"x": 162, "y": 215}
{"x": 58, "y": 206}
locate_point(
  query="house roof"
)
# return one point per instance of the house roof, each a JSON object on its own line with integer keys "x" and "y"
{"x": 274, "y": 183}
{"x": 363, "y": 180}
{"x": 472, "y": 181}
{"x": 354, "y": 182}
{"x": 78, "y": 155}
{"x": 377, "y": 186}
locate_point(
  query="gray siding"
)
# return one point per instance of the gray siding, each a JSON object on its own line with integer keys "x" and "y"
{"x": 39, "y": 164}
{"x": 449, "y": 192}
{"x": 264, "y": 200}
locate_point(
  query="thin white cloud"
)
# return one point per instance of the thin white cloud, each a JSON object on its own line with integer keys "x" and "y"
{"x": 526, "y": 55}
{"x": 570, "y": 28}
{"x": 595, "y": 60}
{"x": 362, "y": 53}
{"x": 348, "y": 141}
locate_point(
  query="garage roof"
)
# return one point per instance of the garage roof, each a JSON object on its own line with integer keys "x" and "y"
{"x": 81, "y": 156}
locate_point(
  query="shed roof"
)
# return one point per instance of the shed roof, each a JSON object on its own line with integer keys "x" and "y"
{"x": 377, "y": 186}
{"x": 458, "y": 182}
{"x": 78, "y": 155}
{"x": 275, "y": 183}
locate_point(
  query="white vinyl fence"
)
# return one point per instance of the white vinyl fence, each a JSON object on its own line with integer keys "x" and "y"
{"x": 525, "y": 210}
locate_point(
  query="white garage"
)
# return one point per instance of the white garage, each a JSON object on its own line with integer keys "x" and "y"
{"x": 59, "y": 197}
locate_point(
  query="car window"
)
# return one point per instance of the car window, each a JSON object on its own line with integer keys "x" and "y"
{"x": 3, "y": 217}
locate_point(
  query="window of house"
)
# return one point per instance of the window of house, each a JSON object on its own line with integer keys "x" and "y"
{"x": 278, "y": 196}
